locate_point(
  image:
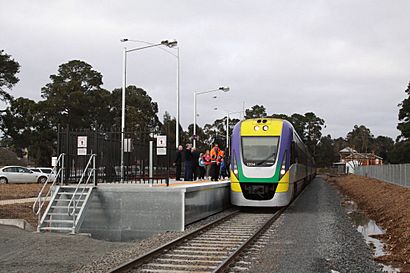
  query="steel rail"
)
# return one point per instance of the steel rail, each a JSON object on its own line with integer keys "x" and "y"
{"x": 225, "y": 264}
{"x": 153, "y": 253}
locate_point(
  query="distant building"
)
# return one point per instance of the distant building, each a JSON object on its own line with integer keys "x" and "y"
{"x": 350, "y": 158}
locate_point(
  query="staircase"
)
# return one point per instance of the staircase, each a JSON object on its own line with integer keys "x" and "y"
{"x": 65, "y": 211}
{"x": 61, "y": 217}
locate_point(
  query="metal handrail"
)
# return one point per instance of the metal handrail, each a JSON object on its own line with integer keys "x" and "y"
{"x": 40, "y": 201}
{"x": 74, "y": 202}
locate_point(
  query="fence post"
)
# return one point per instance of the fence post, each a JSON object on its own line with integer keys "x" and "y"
{"x": 151, "y": 145}
{"x": 94, "y": 180}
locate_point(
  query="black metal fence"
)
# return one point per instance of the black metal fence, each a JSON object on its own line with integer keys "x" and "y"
{"x": 78, "y": 145}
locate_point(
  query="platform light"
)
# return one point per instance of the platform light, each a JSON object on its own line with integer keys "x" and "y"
{"x": 265, "y": 128}
{"x": 256, "y": 128}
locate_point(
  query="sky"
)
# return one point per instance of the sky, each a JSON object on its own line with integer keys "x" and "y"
{"x": 347, "y": 60}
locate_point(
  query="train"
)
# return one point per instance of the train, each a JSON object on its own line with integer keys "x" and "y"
{"x": 270, "y": 164}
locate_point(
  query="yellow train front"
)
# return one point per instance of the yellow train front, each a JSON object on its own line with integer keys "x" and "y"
{"x": 269, "y": 163}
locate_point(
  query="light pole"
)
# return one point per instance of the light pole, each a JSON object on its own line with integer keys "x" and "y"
{"x": 124, "y": 83}
{"x": 224, "y": 89}
{"x": 177, "y": 56}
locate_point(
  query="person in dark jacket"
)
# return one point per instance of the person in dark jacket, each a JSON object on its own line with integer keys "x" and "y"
{"x": 188, "y": 163}
{"x": 195, "y": 165}
{"x": 178, "y": 162}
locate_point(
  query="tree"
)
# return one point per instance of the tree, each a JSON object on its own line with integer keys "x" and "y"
{"x": 18, "y": 124}
{"x": 8, "y": 70}
{"x": 312, "y": 131}
{"x": 400, "y": 153}
{"x": 404, "y": 116}
{"x": 141, "y": 111}
{"x": 325, "y": 153}
{"x": 28, "y": 130}
{"x": 75, "y": 96}
{"x": 382, "y": 145}
{"x": 256, "y": 111}
{"x": 360, "y": 138}
{"x": 299, "y": 123}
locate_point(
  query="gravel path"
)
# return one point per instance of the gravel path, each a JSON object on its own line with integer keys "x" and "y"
{"x": 315, "y": 235}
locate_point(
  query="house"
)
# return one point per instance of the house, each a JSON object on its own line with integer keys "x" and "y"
{"x": 351, "y": 159}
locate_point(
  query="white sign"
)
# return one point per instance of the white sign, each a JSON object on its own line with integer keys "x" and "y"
{"x": 81, "y": 142}
{"x": 161, "y": 141}
{"x": 127, "y": 145}
{"x": 81, "y": 151}
{"x": 161, "y": 151}
{"x": 53, "y": 161}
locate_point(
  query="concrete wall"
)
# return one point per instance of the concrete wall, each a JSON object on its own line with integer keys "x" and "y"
{"x": 202, "y": 201}
{"x": 124, "y": 212}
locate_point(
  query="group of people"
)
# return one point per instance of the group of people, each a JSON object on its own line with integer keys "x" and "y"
{"x": 213, "y": 164}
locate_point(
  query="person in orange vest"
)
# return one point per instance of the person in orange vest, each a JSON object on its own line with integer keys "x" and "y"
{"x": 214, "y": 162}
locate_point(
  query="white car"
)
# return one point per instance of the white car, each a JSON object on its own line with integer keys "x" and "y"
{"x": 46, "y": 171}
{"x": 18, "y": 174}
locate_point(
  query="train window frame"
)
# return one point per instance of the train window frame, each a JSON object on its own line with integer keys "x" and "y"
{"x": 252, "y": 164}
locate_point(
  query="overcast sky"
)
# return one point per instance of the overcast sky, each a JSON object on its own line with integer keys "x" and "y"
{"x": 346, "y": 61}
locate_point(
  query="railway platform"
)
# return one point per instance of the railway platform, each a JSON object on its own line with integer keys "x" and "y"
{"x": 123, "y": 212}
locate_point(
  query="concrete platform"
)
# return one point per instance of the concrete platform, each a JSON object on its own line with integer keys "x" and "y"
{"x": 123, "y": 212}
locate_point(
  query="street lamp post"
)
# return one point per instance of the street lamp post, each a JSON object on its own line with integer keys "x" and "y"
{"x": 224, "y": 89}
{"x": 177, "y": 56}
{"x": 124, "y": 83}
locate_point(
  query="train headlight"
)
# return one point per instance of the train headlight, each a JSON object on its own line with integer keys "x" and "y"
{"x": 256, "y": 128}
{"x": 265, "y": 128}
{"x": 234, "y": 165}
{"x": 283, "y": 167}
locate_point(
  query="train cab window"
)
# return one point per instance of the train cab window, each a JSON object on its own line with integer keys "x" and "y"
{"x": 259, "y": 151}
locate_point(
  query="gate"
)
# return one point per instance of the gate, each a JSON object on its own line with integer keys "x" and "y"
{"x": 79, "y": 145}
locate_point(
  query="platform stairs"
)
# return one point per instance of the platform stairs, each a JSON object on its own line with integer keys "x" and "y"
{"x": 67, "y": 203}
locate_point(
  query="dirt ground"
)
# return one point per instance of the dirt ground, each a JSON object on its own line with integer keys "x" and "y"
{"x": 19, "y": 211}
{"x": 389, "y": 206}
{"x": 17, "y": 191}
{"x": 23, "y": 210}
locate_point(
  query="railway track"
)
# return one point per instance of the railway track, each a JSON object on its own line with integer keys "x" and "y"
{"x": 211, "y": 248}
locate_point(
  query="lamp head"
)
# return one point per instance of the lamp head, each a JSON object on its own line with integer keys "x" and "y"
{"x": 169, "y": 43}
{"x": 124, "y": 40}
{"x": 224, "y": 88}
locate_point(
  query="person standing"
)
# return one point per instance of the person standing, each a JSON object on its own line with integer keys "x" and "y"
{"x": 228, "y": 164}
{"x": 201, "y": 167}
{"x": 188, "y": 163}
{"x": 207, "y": 161}
{"x": 195, "y": 167}
{"x": 221, "y": 164}
{"x": 178, "y": 163}
{"x": 214, "y": 162}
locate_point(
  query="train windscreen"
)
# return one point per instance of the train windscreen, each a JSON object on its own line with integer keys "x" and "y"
{"x": 259, "y": 151}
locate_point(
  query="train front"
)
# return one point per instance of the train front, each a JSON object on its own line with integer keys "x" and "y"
{"x": 260, "y": 160}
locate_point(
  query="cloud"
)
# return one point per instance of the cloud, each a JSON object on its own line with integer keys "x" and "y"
{"x": 346, "y": 61}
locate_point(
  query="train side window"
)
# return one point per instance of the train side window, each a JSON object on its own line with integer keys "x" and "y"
{"x": 292, "y": 153}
